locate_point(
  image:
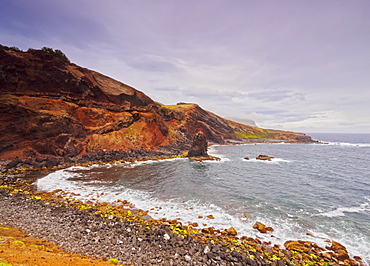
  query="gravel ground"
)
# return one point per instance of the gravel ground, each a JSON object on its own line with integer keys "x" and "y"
{"x": 143, "y": 242}
{"x": 79, "y": 231}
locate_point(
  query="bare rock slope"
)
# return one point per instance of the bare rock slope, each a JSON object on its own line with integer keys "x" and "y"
{"x": 53, "y": 111}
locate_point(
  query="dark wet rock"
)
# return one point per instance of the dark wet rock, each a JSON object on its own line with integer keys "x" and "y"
{"x": 50, "y": 161}
{"x": 12, "y": 163}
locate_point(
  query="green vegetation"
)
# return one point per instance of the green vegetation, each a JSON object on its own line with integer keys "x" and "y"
{"x": 4, "y": 264}
{"x": 254, "y": 135}
{"x": 56, "y": 52}
{"x": 7, "y": 48}
{"x": 114, "y": 261}
{"x": 158, "y": 103}
{"x": 19, "y": 242}
{"x": 180, "y": 105}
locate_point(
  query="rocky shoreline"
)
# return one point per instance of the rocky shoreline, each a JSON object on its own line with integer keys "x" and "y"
{"x": 131, "y": 242}
{"x": 50, "y": 161}
{"x": 128, "y": 235}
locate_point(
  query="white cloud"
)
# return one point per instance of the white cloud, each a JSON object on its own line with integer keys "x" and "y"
{"x": 297, "y": 66}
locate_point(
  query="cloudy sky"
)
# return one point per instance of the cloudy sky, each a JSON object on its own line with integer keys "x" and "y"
{"x": 290, "y": 64}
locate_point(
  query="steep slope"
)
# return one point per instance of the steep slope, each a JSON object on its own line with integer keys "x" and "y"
{"x": 49, "y": 106}
{"x": 191, "y": 118}
{"x": 54, "y": 110}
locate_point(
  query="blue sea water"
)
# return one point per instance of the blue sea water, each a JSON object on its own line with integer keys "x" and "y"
{"x": 314, "y": 192}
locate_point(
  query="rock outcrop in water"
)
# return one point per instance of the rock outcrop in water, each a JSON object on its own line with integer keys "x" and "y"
{"x": 264, "y": 158}
{"x": 54, "y": 112}
{"x": 199, "y": 146}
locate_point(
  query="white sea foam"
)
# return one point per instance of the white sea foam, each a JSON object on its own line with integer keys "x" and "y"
{"x": 364, "y": 207}
{"x": 191, "y": 210}
{"x": 145, "y": 162}
{"x": 272, "y": 161}
{"x": 195, "y": 211}
{"x": 214, "y": 152}
{"x": 288, "y": 227}
{"x": 345, "y": 144}
{"x": 57, "y": 180}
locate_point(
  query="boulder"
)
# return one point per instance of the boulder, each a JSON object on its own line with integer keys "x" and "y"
{"x": 300, "y": 246}
{"x": 231, "y": 231}
{"x": 199, "y": 146}
{"x": 340, "y": 251}
{"x": 262, "y": 228}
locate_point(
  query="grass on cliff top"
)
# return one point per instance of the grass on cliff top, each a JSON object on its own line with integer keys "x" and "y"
{"x": 175, "y": 106}
{"x": 250, "y": 135}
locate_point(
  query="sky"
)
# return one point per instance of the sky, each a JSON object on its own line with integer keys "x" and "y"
{"x": 290, "y": 64}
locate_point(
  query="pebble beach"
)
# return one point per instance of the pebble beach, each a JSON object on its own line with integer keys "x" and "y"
{"x": 130, "y": 238}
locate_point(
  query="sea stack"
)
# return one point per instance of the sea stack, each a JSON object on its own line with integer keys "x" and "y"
{"x": 199, "y": 146}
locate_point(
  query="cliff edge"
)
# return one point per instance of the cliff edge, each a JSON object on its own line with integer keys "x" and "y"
{"x": 54, "y": 112}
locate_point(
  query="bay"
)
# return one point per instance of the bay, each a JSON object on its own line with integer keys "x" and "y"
{"x": 314, "y": 192}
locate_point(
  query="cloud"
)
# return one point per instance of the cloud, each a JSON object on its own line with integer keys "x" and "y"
{"x": 275, "y": 95}
{"x": 289, "y": 65}
{"x": 154, "y": 66}
{"x": 46, "y": 20}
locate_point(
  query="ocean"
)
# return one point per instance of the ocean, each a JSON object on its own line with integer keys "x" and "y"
{"x": 313, "y": 192}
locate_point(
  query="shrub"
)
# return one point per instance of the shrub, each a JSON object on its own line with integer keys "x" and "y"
{"x": 7, "y": 48}
{"x": 58, "y": 53}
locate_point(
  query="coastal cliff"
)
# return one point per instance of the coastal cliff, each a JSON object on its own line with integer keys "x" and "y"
{"x": 54, "y": 112}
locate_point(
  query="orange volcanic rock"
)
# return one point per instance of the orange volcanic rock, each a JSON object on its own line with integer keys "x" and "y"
{"x": 192, "y": 118}
{"x": 264, "y": 158}
{"x": 50, "y": 107}
{"x": 262, "y": 228}
{"x": 300, "y": 246}
{"x": 340, "y": 251}
{"x": 54, "y": 112}
{"x": 231, "y": 231}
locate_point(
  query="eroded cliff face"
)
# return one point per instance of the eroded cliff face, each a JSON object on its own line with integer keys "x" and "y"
{"x": 50, "y": 108}
{"x": 191, "y": 118}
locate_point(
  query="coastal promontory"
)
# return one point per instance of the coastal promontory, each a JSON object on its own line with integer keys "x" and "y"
{"x": 55, "y": 112}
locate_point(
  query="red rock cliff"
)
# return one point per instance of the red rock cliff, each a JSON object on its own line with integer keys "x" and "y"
{"x": 51, "y": 107}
